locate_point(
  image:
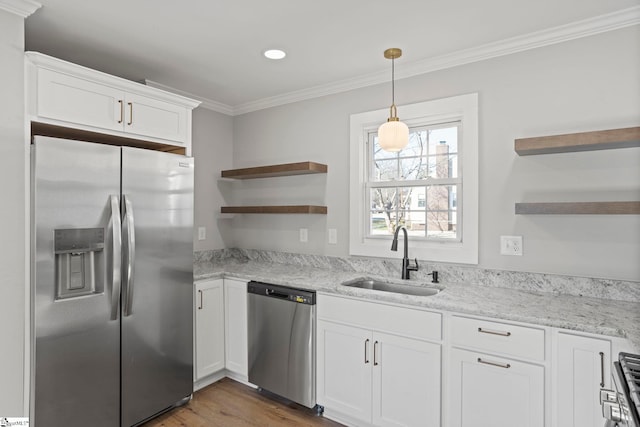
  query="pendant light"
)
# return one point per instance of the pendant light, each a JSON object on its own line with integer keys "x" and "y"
{"x": 393, "y": 135}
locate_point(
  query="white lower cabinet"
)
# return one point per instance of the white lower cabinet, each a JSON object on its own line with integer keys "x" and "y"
{"x": 368, "y": 377}
{"x": 492, "y": 382}
{"x": 209, "y": 327}
{"x": 344, "y": 369}
{"x": 582, "y": 367}
{"x": 235, "y": 304}
{"x": 489, "y": 391}
{"x": 406, "y": 381}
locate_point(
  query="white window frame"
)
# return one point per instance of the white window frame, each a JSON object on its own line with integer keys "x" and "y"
{"x": 463, "y": 108}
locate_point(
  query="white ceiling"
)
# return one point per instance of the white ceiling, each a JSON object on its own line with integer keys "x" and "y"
{"x": 213, "y": 48}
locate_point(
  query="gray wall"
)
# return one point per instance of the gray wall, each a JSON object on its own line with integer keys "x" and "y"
{"x": 13, "y": 215}
{"x": 581, "y": 85}
{"x": 212, "y": 150}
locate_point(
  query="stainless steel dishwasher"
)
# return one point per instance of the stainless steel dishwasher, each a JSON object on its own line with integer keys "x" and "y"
{"x": 281, "y": 339}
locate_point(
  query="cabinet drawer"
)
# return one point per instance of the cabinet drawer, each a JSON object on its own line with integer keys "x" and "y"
{"x": 402, "y": 321}
{"x": 495, "y": 337}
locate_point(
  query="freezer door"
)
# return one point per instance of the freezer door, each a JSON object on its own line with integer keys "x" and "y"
{"x": 157, "y": 287}
{"x": 76, "y": 355}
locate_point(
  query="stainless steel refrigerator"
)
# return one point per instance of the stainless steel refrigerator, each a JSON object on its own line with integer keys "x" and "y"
{"x": 112, "y": 283}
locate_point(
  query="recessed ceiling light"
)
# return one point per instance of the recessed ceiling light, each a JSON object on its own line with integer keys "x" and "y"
{"x": 274, "y": 54}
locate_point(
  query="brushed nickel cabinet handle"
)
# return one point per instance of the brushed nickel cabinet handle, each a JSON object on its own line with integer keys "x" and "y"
{"x": 489, "y": 331}
{"x": 201, "y": 300}
{"x": 366, "y": 352}
{"x": 121, "y": 110}
{"x": 130, "y": 113}
{"x": 375, "y": 348}
{"x": 601, "y": 369}
{"x": 499, "y": 365}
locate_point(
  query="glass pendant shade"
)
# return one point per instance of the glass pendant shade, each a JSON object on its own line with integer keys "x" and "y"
{"x": 393, "y": 135}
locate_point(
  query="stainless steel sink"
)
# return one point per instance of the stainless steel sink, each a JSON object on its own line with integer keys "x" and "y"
{"x": 378, "y": 285}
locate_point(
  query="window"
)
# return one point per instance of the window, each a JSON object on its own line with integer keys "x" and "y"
{"x": 430, "y": 187}
{"x": 416, "y": 187}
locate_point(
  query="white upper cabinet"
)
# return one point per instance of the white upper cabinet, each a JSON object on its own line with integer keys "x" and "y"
{"x": 63, "y": 94}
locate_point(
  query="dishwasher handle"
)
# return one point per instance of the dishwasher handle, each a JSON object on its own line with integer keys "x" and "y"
{"x": 294, "y": 295}
{"x": 276, "y": 294}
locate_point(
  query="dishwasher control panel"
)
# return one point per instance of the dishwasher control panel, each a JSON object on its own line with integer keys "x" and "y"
{"x": 301, "y": 296}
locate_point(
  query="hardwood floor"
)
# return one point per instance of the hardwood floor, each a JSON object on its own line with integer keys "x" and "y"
{"x": 228, "y": 403}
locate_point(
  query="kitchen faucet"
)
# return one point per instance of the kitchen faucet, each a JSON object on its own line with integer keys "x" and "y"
{"x": 406, "y": 268}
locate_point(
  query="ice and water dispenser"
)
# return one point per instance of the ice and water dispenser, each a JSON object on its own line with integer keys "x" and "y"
{"x": 76, "y": 250}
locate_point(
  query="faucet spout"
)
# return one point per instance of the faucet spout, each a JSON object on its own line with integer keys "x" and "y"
{"x": 406, "y": 267}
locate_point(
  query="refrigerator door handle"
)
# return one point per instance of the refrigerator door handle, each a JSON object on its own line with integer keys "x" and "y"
{"x": 115, "y": 227}
{"x": 128, "y": 230}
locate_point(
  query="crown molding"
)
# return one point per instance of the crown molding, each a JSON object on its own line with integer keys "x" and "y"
{"x": 209, "y": 104}
{"x": 22, "y": 8}
{"x": 584, "y": 28}
{"x": 575, "y": 30}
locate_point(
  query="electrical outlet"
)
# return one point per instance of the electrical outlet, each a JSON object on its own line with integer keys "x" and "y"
{"x": 304, "y": 235}
{"x": 333, "y": 236}
{"x": 202, "y": 233}
{"x": 511, "y": 245}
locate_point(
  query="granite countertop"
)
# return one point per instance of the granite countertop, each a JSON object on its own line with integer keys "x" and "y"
{"x": 593, "y": 315}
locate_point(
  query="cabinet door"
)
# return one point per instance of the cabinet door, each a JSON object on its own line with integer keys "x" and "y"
{"x": 209, "y": 313}
{"x": 488, "y": 391}
{"x": 154, "y": 118}
{"x": 235, "y": 302}
{"x": 344, "y": 361}
{"x": 406, "y": 382}
{"x": 79, "y": 101}
{"x": 582, "y": 365}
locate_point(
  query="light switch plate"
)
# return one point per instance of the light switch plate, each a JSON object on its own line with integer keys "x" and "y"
{"x": 202, "y": 233}
{"x": 333, "y": 236}
{"x": 511, "y": 245}
{"x": 304, "y": 235}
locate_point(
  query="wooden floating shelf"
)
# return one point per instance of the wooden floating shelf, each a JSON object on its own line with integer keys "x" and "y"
{"x": 579, "y": 208}
{"x": 584, "y": 141}
{"x": 295, "y": 209}
{"x": 287, "y": 169}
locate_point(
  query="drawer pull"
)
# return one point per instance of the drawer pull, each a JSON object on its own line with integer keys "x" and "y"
{"x": 489, "y": 331}
{"x": 121, "y": 110}
{"x": 375, "y": 347}
{"x": 130, "y": 122}
{"x": 499, "y": 365}
{"x": 201, "y": 300}
{"x": 366, "y": 347}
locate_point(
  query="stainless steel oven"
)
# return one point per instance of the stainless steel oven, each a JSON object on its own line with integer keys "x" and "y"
{"x": 621, "y": 406}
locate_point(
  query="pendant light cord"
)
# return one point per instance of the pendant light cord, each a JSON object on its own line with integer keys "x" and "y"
{"x": 393, "y": 82}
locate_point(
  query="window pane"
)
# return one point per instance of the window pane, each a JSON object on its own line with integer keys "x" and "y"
{"x": 413, "y": 168}
{"x": 441, "y": 211}
{"x": 380, "y": 224}
{"x": 443, "y": 165}
{"x": 417, "y": 145}
{"x": 378, "y": 152}
{"x": 415, "y": 221}
{"x": 385, "y": 170}
{"x": 446, "y": 136}
{"x": 383, "y": 199}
